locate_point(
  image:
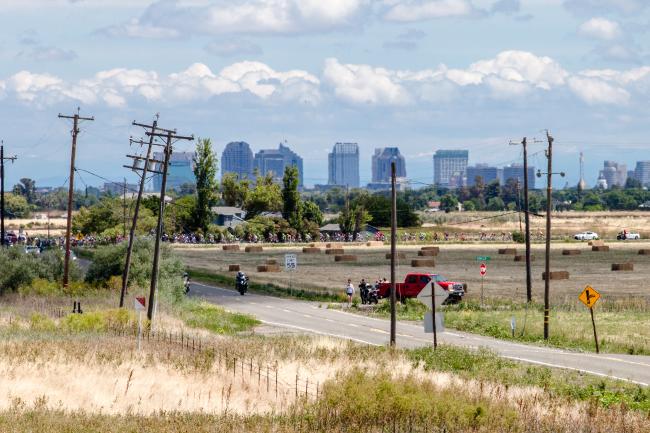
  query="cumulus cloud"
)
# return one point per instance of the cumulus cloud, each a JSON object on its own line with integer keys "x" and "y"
{"x": 601, "y": 28}
{"x": 120, "y": 87}
{"x": 596, "y": 91}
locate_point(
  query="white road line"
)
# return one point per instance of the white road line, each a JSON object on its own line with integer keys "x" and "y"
{"x": 286, "y": 311}
{"x": 381, "y": 331}
{"x": 353, "y": 325}
{"x": 306, "y": 315}
{"x": 346, "y": 337}
{"x": 581, "y": 370}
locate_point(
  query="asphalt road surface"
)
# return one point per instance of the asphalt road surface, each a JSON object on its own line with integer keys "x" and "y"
{"x": 310, "y": 318}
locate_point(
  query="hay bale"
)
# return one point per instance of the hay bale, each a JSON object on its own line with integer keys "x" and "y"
{"x": 423, "y": 263}
{"x": 328, "y": 245}
{"x": 230, "y": 247}
{"x": 571, "y": 252}
{"x": 254, "y": 249}
{"x": 374, "y": 244}
{"x": 557, "y": 275}
{"x": 436, "y": 249}
{"x": 311, "y": 250}
{"x": 523, "y": 258}
{"x": 399, "y": 255}
{"x": 268, "y": 268}
{"x": 512, "y": 251}
{"x": 427, "y": 253}
{"x": 233, "y": 268}
{"x": 596, "y": 243}
{"x": 644, "y": 252}
{"x": 335, "y": 251}
{"x": 600, "y": 248}
{"x": 622, "y": 266}
{"x": 345, "y": 258}
{"x": 271, "y": 262}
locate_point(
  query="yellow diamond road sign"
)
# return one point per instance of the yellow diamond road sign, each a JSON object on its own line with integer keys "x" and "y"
{"x": 589, "y": 296}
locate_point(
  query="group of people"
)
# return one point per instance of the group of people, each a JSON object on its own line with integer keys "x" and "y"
{"x": 350, "y": 290}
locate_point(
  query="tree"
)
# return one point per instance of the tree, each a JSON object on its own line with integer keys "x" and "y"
{"x": 188, "y": 188}
{"x": 493, "y": 190}
{"x": 291, "y": 210}
{"x": 265, "y": 197}
{"x": 205, "y": 171}
{"x": 311, "y": 212}
{"x": 448, "y": 203}
{"x": 632, "y": 183}
{"x": 495, "y": 204}
{"x": 354, "y": 219}
{"x": 26, "y": 188}
{"x": 233, "y": 190}
{"x": 16, "y": 206}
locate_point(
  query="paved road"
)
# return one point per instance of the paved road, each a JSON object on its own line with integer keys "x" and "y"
{"x": 309, "y": 317}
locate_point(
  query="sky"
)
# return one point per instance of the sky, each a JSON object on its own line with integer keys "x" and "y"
{"x": 421, "y": 75}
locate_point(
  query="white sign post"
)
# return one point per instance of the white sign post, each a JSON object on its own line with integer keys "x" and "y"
{"x": 431, "y": 296}
{"x": 139, "y": 304}
{"x": 290, "y": 265}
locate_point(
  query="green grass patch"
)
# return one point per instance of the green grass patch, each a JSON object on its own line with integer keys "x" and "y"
{"x": 227, "y": 281}
{"x": 201, "y": 314}
{"x": 485, "y": 365}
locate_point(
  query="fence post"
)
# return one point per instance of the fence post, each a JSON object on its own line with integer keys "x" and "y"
{"x": 306, "y": 387}
{"x": 276, "y": 379}
{"x": 296, "y": 385}
{"x": 268, "y": 378}
{"x": 234, "y": 366}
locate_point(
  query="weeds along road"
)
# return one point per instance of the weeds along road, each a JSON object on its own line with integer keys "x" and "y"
{"x": 309, "y": 317}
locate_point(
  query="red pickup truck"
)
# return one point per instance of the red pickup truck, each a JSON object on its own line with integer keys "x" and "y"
{"x": 415, "y": 282}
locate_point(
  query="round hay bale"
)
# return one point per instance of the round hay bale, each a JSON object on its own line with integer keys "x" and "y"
{"x": 230, "y": 247}
{"x": 335, "y": 251}
{"x": 311, "y": 250}
{"x": 600, "y": 248}
{"x": 557, "y": 275}
{"x": 596, "y": 243}
{"x": 268, "y": 268}
{"x": 428, "y": 253}
{"x": 622, "y": 266}
{"x": 254, "y": 249}
{"x": 436, "y": 249}
{"x": 271, "y": 262}
{"x": 644, "y": 252}
{"x": 399, "y": 255}
{"x": 523, "y": 258}
{"x": 571, "y": 252}
{"x": 345, "y": 258}
{"x": 503, "y": 251}
{"x": 233, "y": 268}
{"x": 423, "y": 263}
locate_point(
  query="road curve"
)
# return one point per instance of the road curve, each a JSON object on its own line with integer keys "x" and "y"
{"x": 311, "y": 318}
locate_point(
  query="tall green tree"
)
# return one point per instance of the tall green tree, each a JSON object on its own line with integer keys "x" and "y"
{"x": 265, "y": 197}
{"x": 27, "y": 188}
{"x": 205, "y": 172}
{"x": 291, "y": 208}
{"x": 233, "y": 190}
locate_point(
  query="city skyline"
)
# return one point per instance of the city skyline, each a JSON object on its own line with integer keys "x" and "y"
{"x": 367, "y": 71}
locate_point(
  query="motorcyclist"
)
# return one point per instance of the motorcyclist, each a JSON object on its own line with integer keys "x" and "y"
{"x": 241, "y": 281}
{"x": 186, "y": 283}
{"x": 363, "y": 291}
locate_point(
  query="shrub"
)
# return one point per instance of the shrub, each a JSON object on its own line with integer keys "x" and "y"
{"x": 99, "y": 321}
{"x": 518, "y": 237}
{"x": 39, "y": 322}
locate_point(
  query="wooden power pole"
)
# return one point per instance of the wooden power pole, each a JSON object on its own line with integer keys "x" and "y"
{"x": 393, "y": 254}
{"x": 75, "y": 132}
{"x": 2, "y": 190}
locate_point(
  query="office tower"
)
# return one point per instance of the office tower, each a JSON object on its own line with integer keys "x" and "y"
{"x": 449, "y": 165}
{"x": 487, "y": 173}
{"x": 237, "y": 157}
{"x": 516, "y": 171}
{"x": 642, "y": 172}
{"x": 179, "y": 172}
{"x": 275, "y": 160}
{"x": 381, "y": 163}
{"x": 343, "y": 165}
{"x": 614, "y": 173}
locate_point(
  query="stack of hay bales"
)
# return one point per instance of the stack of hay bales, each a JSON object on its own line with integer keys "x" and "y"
{"x": 557, "y": 275}
{"x": 234, "y": 268}
{"x": 398, "y": 255}
{"x": 311, "y": 250}
{"x": 345, "y": 258}
{"x": 230, "y": 247}
{"x": 504, "y": 251}
{"x": 254, "y": 249}
{"x": 566, "y": 252}
{"x": 623, "y": 266}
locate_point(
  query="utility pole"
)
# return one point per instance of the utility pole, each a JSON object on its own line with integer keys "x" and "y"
{"x": 529, "y": 282}
{"x": 170, "y": 136}
{"x": 549, "y": 207}
{"x": 75, "y": 132}
{"x": 2, "y": 189}
{"x": 124, "y": 210}
{"x": 393, "y": 253}
{"x": 145, "y": 169}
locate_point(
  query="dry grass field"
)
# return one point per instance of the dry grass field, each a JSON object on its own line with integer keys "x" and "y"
{"x": 505, "y": 278}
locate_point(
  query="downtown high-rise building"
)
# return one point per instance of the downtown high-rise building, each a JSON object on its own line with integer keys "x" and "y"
{"x": 450, "y": 168}
{"x": 274, "y": 161}
{"x": 179, "y": 172}
{"x": 343, "y": 165}
{"x": 381, "y": 164}
{"x": 613, "y": 174}
{"x": 642, "y": 172}
{"x": 516, "y": 172}
{"x": 484, "y": 171}
{"x": 237, "y": 157}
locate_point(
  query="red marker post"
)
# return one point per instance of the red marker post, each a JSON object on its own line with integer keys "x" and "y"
{"x": 483, "y": 271}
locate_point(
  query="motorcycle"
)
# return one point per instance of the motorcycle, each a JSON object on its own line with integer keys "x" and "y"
{"x": 242, "y": 284}
{"x": 369, "y": 294}
{"x": 363, "y": 293}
